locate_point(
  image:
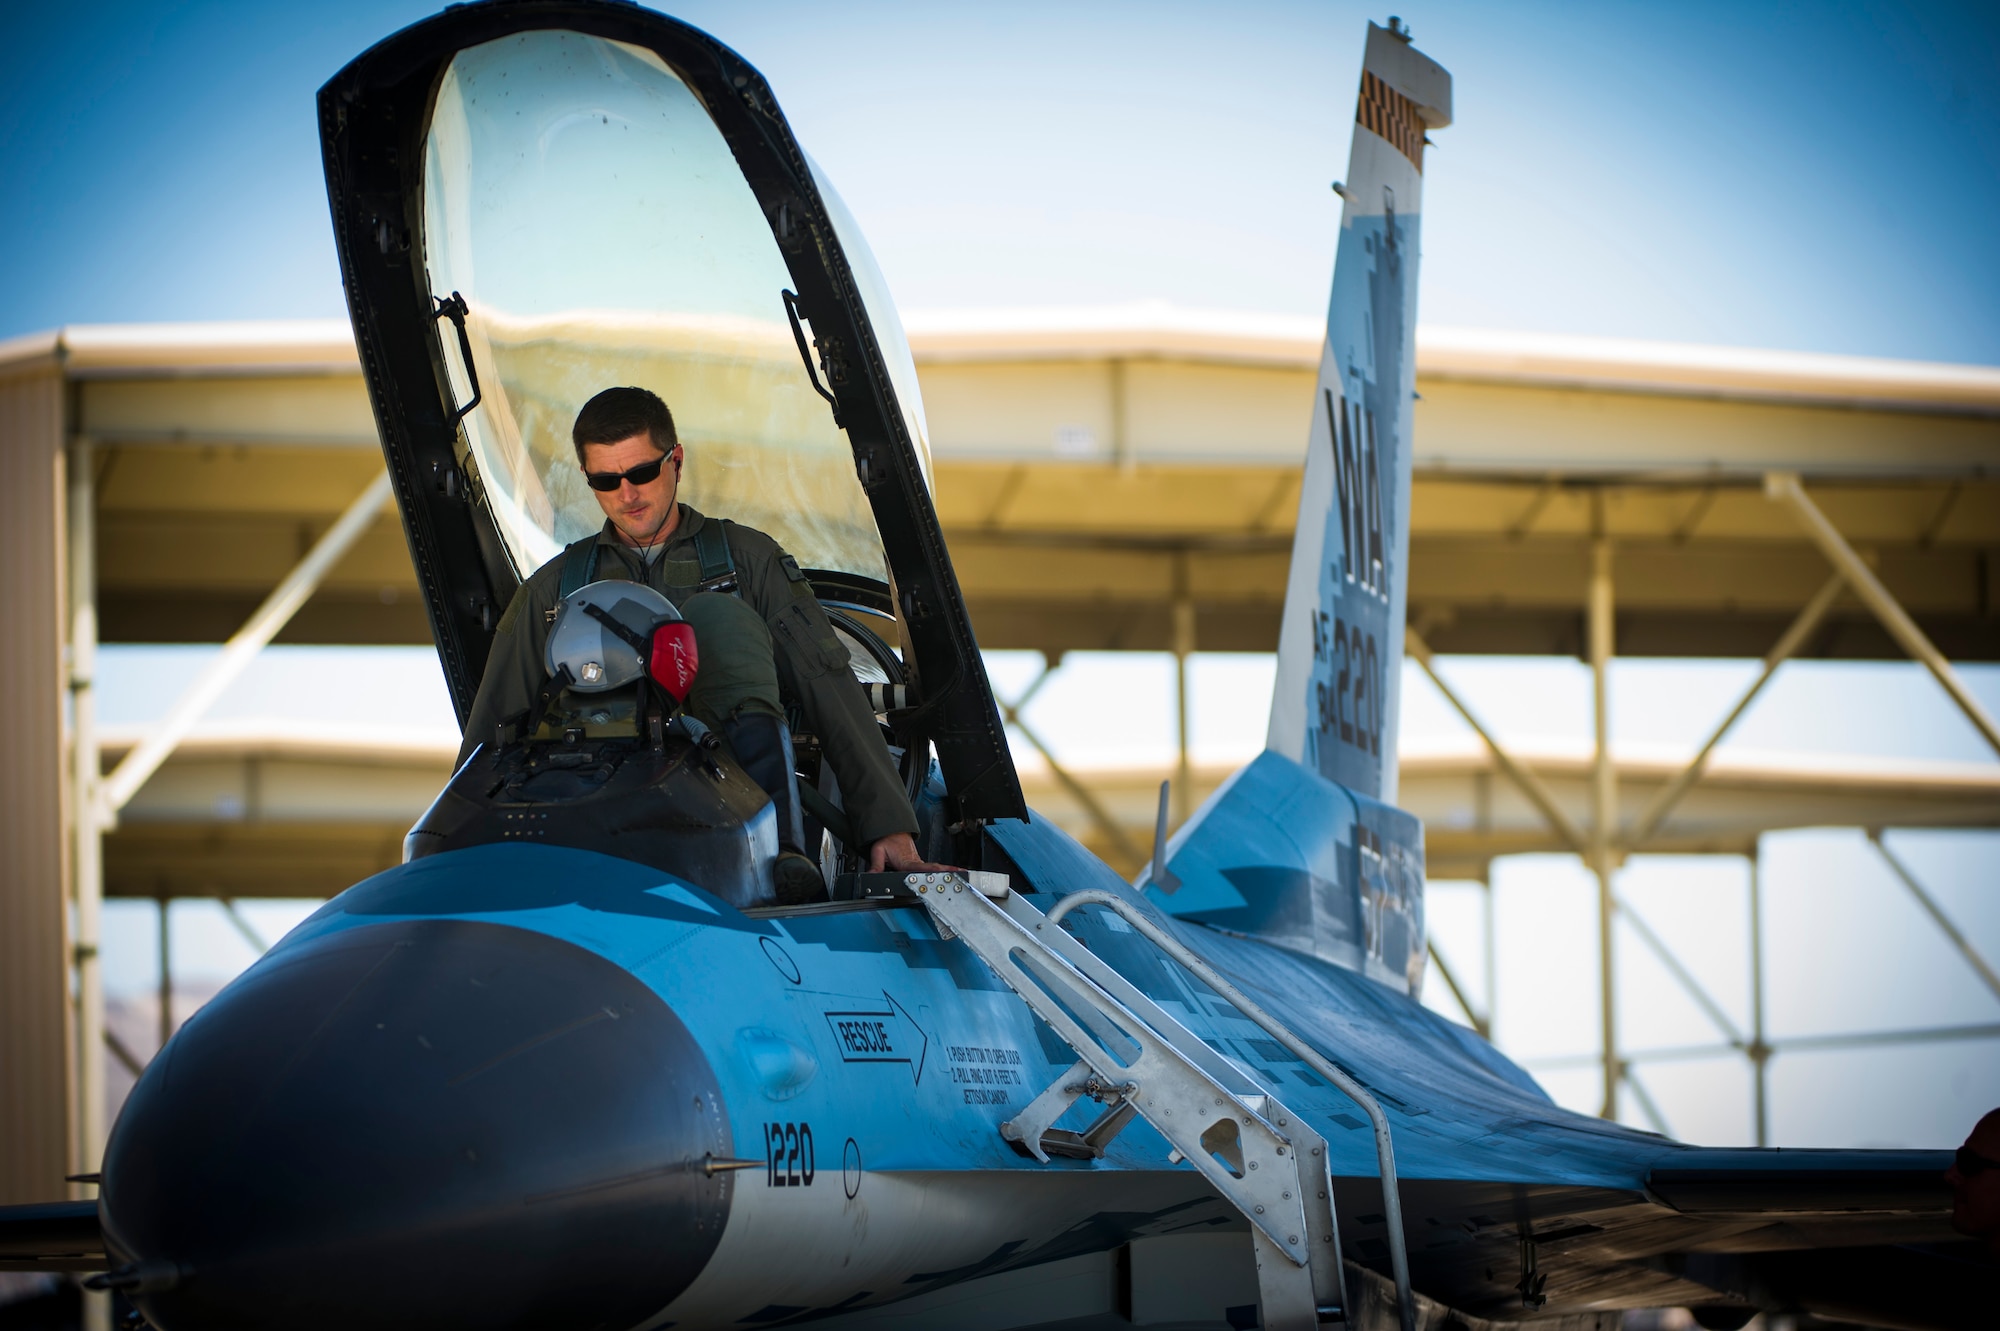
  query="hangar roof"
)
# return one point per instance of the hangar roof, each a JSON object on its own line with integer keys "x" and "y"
{"x": 1093, "y": 465}
{"x": 1158, "y": 331}
{"x": 1144, "y": 331}
{"x": 1095, "y": 469}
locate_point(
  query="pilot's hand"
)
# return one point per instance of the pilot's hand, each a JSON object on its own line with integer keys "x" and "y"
{"x": 898, "y": 851}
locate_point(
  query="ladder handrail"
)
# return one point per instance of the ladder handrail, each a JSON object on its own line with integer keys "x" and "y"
{"x": 1095, "y": 1010}
{"x": 1385, "y": 1152}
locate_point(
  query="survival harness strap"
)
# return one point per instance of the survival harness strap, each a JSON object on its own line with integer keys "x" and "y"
{"x": 711, "y": 548}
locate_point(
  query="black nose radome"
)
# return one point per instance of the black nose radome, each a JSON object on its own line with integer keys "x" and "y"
{"x": 424, "y": 1124}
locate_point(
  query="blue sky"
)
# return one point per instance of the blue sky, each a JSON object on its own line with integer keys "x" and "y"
{"x": 1817, "y": 177}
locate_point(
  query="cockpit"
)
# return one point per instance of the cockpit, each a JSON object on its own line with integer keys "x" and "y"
{"x": 584, "y": 205}
{"x": 537, "y": 202}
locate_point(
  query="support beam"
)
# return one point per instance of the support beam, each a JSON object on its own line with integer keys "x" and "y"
{"x": 1525, "y": 521}
{"x": 1647, "y": 1105}
{"x": 86, "y": 844}
{"x": 1183, "y": 648}
{"x": 1936, "y": 912}
{"x": 277, "y": 610}
{"x": 1492, "y": 948}
{"x": 243, "y": 926}
{"x": 1458, "y": 994}
{"x": 1759, "y": 1050}
{"x": 1785, "y": 486}
{"x": 86, "y": 837}
{"x": 131, "y": 1062}
{"x": 1657, "y": 945}
{"x": 1796, "y": 1044}
{"x": 1121, "y": 421}
{"x": 1011, "y": 714}
{"x": 1529, "y": 784}
{"x": 38, "y": 1052}
{"x": 1604, "y": 800}
{"x": 1787, "y": 645}
{"x": 1876, "y": 1039}
{"x": 166, "y": 976}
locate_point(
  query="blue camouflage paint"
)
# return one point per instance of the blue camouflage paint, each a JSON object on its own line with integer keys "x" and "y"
{"x": 1286, "y": 855}
{"x": 764, "y": 999}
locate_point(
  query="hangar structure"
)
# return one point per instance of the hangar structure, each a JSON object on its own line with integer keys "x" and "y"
{"x": 1120, "y": 479}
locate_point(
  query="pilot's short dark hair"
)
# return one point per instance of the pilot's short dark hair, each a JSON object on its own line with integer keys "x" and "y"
{"x": 620, "y": 413}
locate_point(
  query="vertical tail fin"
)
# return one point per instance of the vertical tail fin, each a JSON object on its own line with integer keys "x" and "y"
{"x": 1340, "y": 645}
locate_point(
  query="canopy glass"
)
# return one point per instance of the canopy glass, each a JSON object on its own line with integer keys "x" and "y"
{"x": 585, "y": 204}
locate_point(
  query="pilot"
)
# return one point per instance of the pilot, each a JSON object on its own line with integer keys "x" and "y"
{"x": 759, "y": 632}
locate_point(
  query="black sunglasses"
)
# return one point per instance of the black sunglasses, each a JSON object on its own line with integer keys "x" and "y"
{"x": 643, "y": 474}
{"x": 1971, "y": 1163}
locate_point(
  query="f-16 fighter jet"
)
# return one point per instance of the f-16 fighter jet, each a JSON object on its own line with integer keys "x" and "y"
{"x": 580, "y": 1062}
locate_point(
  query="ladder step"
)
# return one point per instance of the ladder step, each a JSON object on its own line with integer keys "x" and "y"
{"x": 1137, "y": 1060}
{"x": 1063, "y": 1144}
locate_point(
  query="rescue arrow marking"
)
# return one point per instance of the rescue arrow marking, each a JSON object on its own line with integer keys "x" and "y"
{"x": 890, "y": 1036}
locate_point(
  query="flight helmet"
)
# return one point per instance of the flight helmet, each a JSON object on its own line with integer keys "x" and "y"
{"x": 609, "y": 634}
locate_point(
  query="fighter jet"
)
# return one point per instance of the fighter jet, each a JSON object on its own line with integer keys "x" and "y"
{"x": 570, "y": 1064}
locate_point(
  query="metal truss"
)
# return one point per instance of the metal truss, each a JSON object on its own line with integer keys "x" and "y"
{"x": 96, "y": 798}
{"x": 1010, "y": 713}
{"x": 1608, "y": 841}
{"x": 1606, "y": 844}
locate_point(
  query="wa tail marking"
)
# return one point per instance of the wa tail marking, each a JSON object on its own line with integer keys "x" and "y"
{"x": 1357, "y": 480}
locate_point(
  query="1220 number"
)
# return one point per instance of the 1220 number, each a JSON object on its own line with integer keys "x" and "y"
{"x": 788, "y": 1155}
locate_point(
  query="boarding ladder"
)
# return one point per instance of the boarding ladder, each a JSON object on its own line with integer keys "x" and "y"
{"x": 1135, "y": 1058}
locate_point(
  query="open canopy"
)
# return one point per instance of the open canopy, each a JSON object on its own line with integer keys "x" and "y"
{"x": 537, "y": 201}
{"x": 579, "y": 197}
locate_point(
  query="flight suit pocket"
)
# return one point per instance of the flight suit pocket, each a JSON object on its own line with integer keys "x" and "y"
{"x": 814, "y": 649}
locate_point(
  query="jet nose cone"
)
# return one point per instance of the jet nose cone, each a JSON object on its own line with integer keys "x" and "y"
{"x": 428, "y": 1124}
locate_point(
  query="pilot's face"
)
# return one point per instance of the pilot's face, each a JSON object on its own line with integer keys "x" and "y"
{"x": 639, "y": 512}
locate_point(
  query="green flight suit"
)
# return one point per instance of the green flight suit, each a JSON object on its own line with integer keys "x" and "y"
{"x": 736, "y": 658}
